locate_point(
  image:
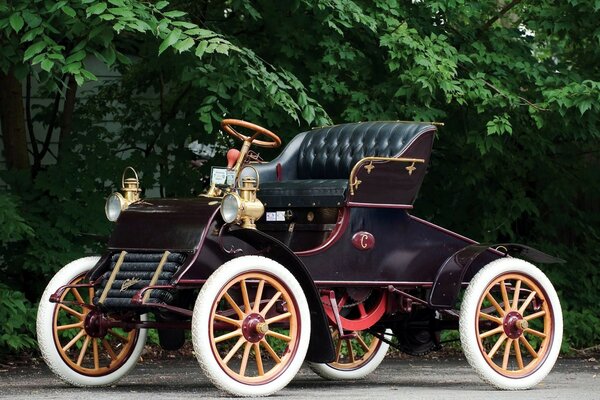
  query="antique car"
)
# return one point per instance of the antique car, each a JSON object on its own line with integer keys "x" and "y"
{"x": 314, "y": 256}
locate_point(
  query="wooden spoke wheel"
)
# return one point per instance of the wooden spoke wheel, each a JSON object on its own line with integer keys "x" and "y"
{"x": 356, "y": 357}
{"x": 72, "y": 344}
{"x": 86, "y": 351}
{"x": 250, "y": 326}
{"x": 511, "y": 324}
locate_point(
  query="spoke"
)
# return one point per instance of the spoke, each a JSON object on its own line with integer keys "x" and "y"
{"x": 91, "y": 294}
{"x": 518, "y": 354}
{"x": 497, "y": 345}
{"x": 361, "y": 341}
{"x": 245, "y": 357}
{"x": 526, "y": 303}
{"x": 95, "y": 350}
{"x": 259, "y": 363}
{"x": 362, "y": 310}
{"x": 504, "y": 296}
{"x": 498, "y": 329}
{"x": 270, "y": 350}
{"x": 536, "y": 333}
{"x": 270, "y": 304}
{"x": 279, "y": 336}
{"x": 343, "y": 300}
{"x": 233, "y": 305}
{"x": 491, "y": 318}
{"x": 109, "y": 349}
{"x": 71, "y": 311}
{"x": 528, "y": 346}
{"x": 492, "y": 300}
{"x": 228, "y": 320}
{"x": 74, "y": 340}
{"x": 515, "y": 304}
{"x": 70, "y": 326}
{"x": 278, "y": 318}
{"x": 338, "y": 351}
{"x": 259, "y": 291}
{"x": 245, "y": 297}
{"x": 234, "y": 349}
{"x": 534, "y": 316}
{"x": 227, "y": 336}
{"x": 116, "y": 334}
{"x": 350, "y": 350}
{"x": 506, "y": 354}
{"x": 77, "y": 295}
{"x": 86, "y": 343}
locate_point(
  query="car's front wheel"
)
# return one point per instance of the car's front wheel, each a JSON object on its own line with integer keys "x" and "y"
{"x": 251, "y": 326}
{"x": 511, "y": 324}
{"x": 80, "y": 356}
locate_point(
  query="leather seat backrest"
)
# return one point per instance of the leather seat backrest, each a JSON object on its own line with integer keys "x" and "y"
{"x": 331, "y": 152}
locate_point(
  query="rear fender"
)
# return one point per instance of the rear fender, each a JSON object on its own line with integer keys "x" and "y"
{"x": 321, "y": 347}
{"x": 449, "y": 278}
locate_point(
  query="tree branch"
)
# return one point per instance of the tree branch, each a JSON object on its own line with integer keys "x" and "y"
{"x": 502, "y": 12}
{"x": 32, "y": 139}
{"x": 51, "y": 125}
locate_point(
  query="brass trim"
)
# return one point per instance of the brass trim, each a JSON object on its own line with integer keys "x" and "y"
{"x": 354, "y": 181}
{"x": 112, "y": 277}
{"x": 156, "y": 275}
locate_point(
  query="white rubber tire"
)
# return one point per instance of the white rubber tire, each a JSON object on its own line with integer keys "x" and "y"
{"x": 327, "y": 371}
{"x": 468, "y": 334}
{"x": 202, "y": 314}
{"x": 45, "y": 333}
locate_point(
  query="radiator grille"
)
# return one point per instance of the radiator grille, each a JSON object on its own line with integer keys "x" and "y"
{"x": 135, "y": 273}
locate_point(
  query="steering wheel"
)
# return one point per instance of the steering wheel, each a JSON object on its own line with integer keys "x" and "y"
{"x": 228, "y": 124}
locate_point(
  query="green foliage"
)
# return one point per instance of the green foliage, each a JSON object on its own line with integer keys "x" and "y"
{"x": 518, "y": 90}
{"x": 18, "y": 320}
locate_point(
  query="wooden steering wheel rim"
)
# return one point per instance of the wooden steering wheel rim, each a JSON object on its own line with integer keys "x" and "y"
{"x": 227, "y": 124}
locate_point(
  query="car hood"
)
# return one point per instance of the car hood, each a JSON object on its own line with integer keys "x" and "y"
{"x": 164, "y": 224}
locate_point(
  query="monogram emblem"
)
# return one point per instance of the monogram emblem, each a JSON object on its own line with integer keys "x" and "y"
{"x": 129, "y": 283}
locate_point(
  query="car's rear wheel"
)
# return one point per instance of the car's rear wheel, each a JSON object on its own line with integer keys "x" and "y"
{"x": 511, "y": 324}
{"x": 355, "y": 357}
{"x": 76, "y": 354}
{"x": 251, "y": 326}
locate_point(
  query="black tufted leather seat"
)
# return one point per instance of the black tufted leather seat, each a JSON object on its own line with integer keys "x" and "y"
{"x": 313, "y": 160}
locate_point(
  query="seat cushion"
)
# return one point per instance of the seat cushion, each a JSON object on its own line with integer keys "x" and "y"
{"x": 331, "y": 152}
{"x": 304, "y": 193}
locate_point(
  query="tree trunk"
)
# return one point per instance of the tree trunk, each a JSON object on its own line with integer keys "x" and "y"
{"x": 13, "y": 122}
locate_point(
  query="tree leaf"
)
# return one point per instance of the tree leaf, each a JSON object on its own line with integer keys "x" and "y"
{"x": 184, "y": 45}
{"x": 201, "y": 48}
{"x": 161, "y": 4}
{"x": 97, "y": 8}
{"x": 171, "y": 39}
{"x": 174, "y": 14}
{"x": 47, "y": 65}
{"x": 16, "y": 21}
{"x": 34, "y": 49}
{"x": 69, "y": 11}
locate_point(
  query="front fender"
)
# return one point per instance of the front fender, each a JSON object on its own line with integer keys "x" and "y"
{"x": 449, "y": 278}
{"x": 321, "y": 347}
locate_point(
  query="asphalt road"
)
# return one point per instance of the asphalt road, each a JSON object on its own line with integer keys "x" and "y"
{"x": 575, "y": 379}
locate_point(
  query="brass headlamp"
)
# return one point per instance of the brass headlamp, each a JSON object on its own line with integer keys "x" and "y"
{"x": 243, "y": 207}
{"x": 118, "y": 202}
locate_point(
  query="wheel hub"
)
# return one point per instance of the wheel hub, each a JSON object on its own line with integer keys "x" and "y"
{"x": 514, "y": 324}
{"x": 94, "y": 326}
{"x": 254, "y": 328}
